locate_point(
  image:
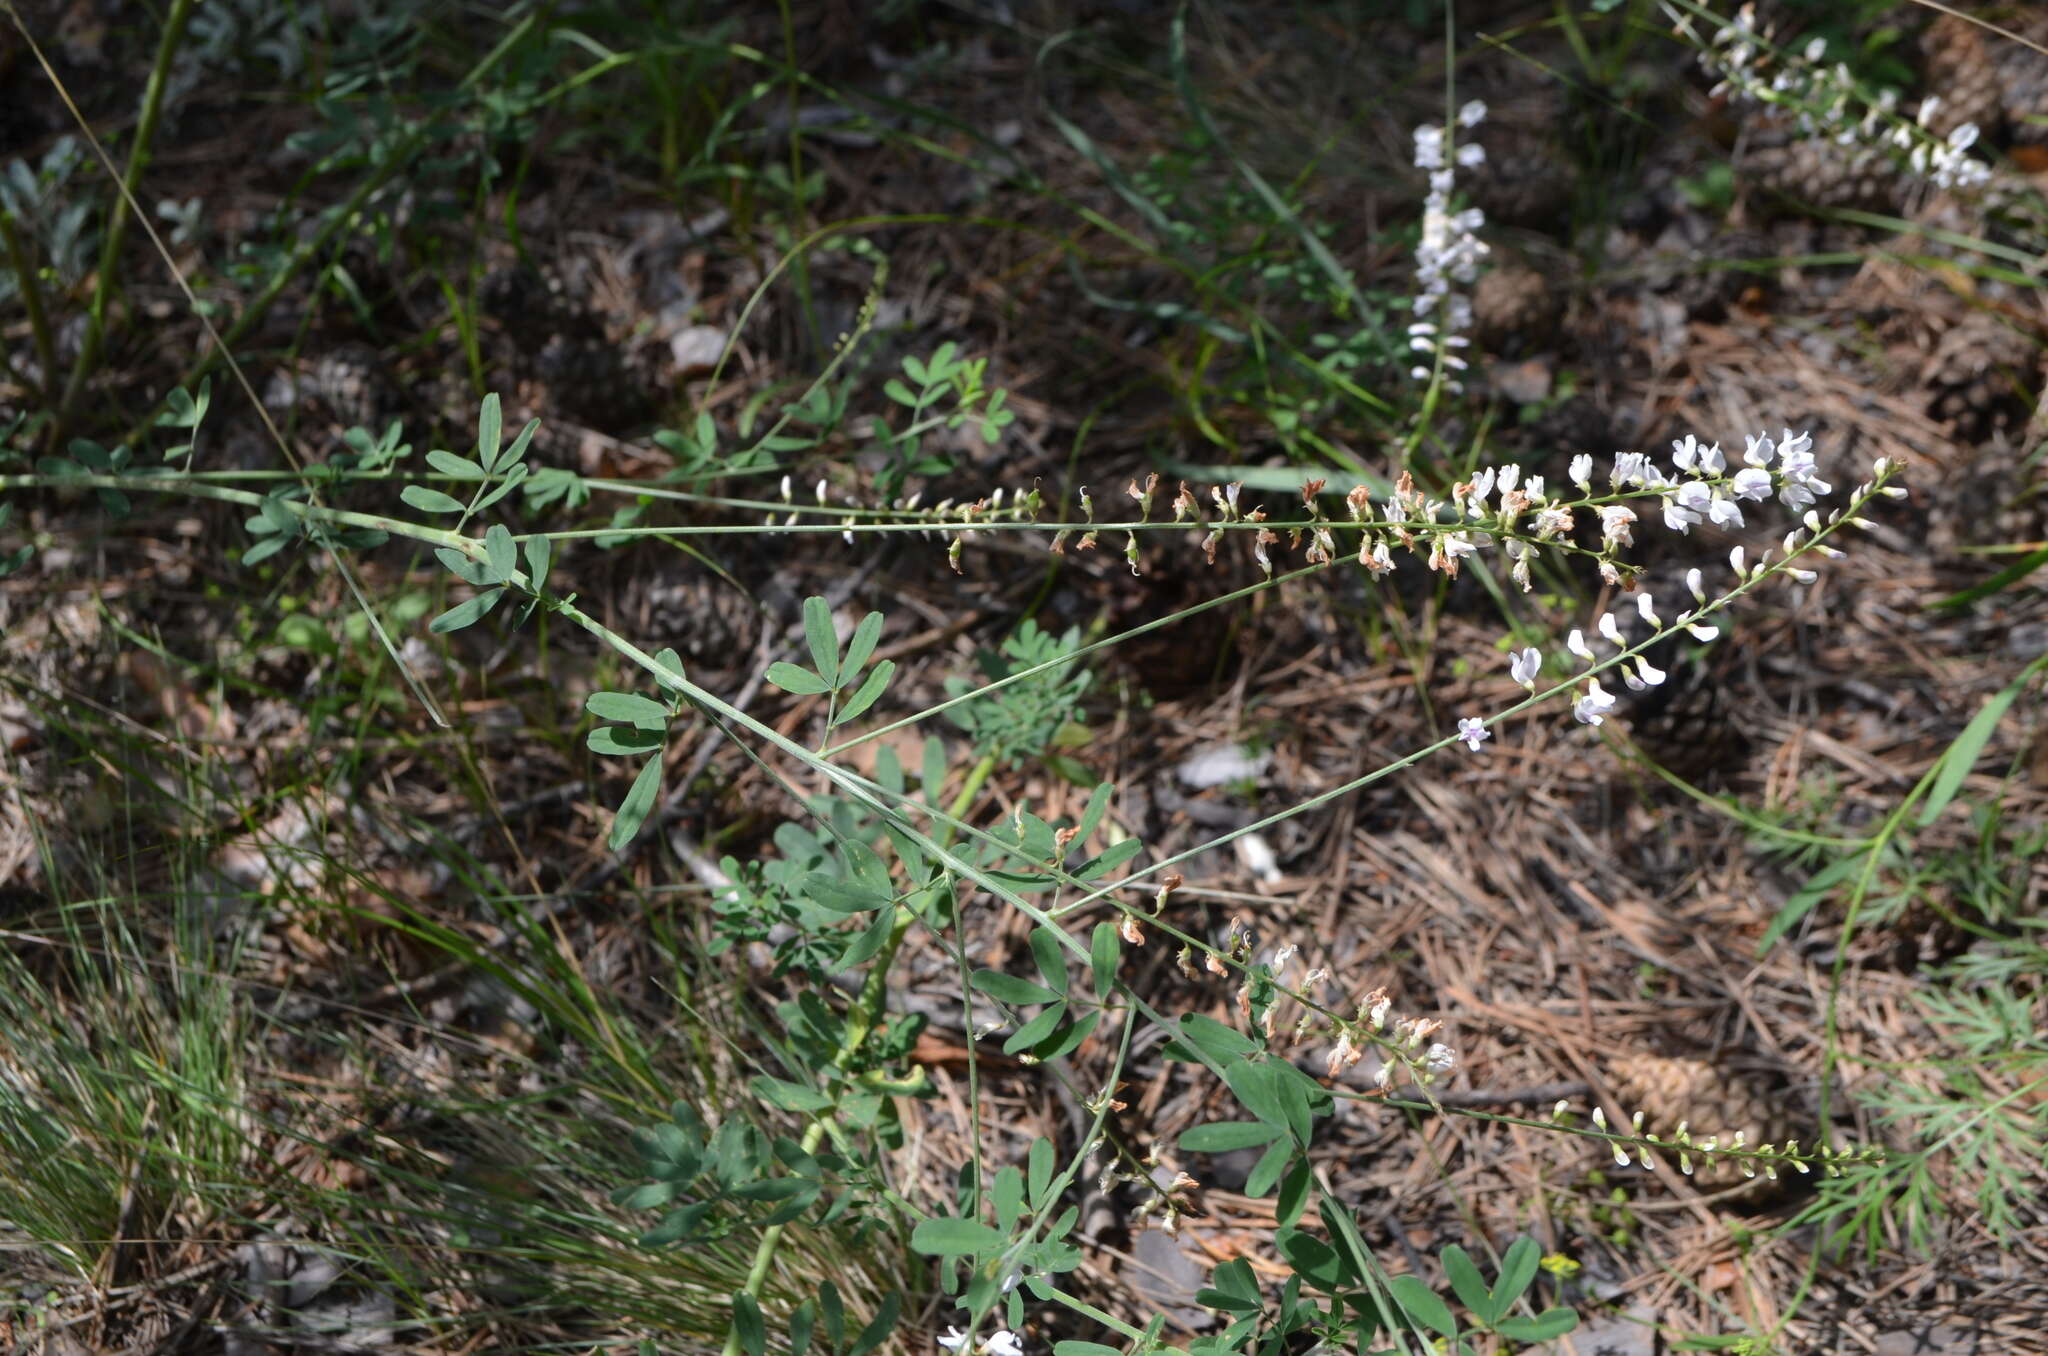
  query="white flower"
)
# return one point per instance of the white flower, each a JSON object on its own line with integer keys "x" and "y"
{"x": 1735, "y": 561}
{"x": 1439, "y": 1059}
{"x": 1752, "y": 482}
{"x": 954, "y": 1339}
{"x": 1510, "y": 476}
{"x": 1525, "y": 667}
{"x": 1646, "y": 604}
{"x": 1630, "y": 468}
{"x": 1429, "y": 147}
{"x": 1611, "y": 630}
{"x": 1798, "y": 485}
{"x": 1616, "y": 524}
{"x": 1482, "y": 486}
{"x": 1685, "y": 452}
{"x": 1004, "y": 1343}
{"x": 1471, "y": 155}
{"x": 1472, "y": 114}
{"x": 1677, "y": 516}
{"x": 1474, "y": 732}
{"x": 1649, "y": 672}
{"x": 1581, "y": 473}
{"x": 1576, "y": 643}
{"x": 1592, "y": 708}
{"x": 1712, "y": 461}
{"x": 1757, "y": 451}
{"x": 1694, "y": 586}
{"x": 1724, "y": 512}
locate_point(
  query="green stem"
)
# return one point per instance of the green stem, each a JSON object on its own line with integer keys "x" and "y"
{"x": 196, "y": 489}
{"x": 118, "y": 214}
{"x": 31, "y": 301}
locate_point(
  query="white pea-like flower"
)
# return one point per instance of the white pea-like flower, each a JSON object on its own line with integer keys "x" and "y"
{"x": 1473, "y": 731}
{"x": 1525, "y": 667}
{"x": 1694, "y": 585}
{"x": 1592, "y": 708}
{"x": 1611, "y": 629}
{"x": 1472, "y": 114}
{"x": 954, "y": 1339}
{"x": 1651, "y": 675}
{"x": 1004, "y": 1343}
{"x": 1617, "y": 524}
{"x": 1581, "y": 471}
{"x": 1439, "y": 1059}
{"x": 1751, "y": 482}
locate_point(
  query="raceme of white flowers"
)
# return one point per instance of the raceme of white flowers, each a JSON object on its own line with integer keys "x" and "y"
{"x": 1703, "y": 489}
{"x": 1449, "y": 250}
{"x": 1826, "y": 99}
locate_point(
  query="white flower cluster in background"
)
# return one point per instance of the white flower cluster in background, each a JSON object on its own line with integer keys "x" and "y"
{"x": 1825, "y": 100}
{"x": 1450, "y": 248}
